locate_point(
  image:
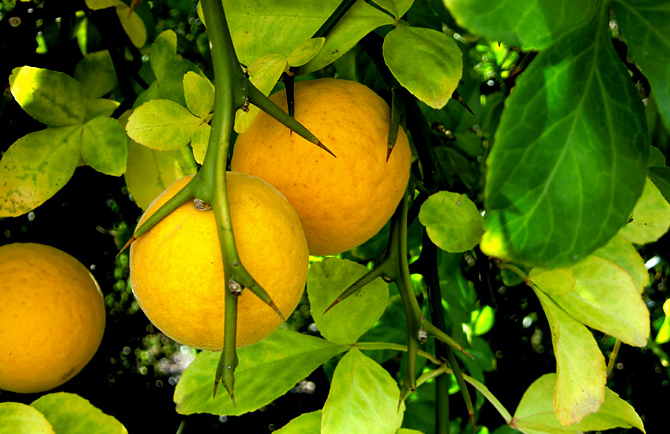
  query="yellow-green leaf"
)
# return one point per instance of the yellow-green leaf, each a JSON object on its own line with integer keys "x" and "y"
{"x": 621, "y": 252}
{"x": 71, "y": 414}
{"x": 452, "y": 221}
{"x": 20, "y": 418}
{"x": 200, "y": 142}
{"x": 199, "y": 94}
{"x": 104, "y": 146}
{"x": 305, "y": 52}
{"x": 650, "y": 218}
{"x": 162, "y": 125}
{"x": 96, "y": 73}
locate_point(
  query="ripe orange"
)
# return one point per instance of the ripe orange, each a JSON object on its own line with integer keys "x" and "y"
{"x": 343, "y": 201}
{"x": 176, "y": 270}
{"x": 52, "y": 317}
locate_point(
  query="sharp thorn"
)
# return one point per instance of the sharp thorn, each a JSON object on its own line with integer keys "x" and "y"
{"x": 216, "y": 385}
{"x": 130, "y": 241}
{"x": 232, "y": 398}
{"x": 274, "y": 306}
{"x": 332, "y": 305}
{"x": 388, "y": 153}
{"x": 460, "y": 99}
{"x": 462, "y": 350}
{"x": 472, "y": 419}
{"x": 322, "y": 146}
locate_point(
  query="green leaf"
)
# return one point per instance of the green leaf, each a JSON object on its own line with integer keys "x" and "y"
{"x": 656, "y": 157}
{"x": 162, "y": 125}
{"x": 606, "y": 298}
{"x": 104, "y": 146}
{"x": 527, "y": 24}
{"x": 663, "y": 335}
{"x": 660, "y": 176}
{"x": 452, "y": 221}
{"x": 580, "y": 381}
{"x": 554, "y": 281}
{"x": 535, "y": 413}
{"x": 35, "y": 167}
{"x": 100, "y": 107}
{"x": 71, "y": 414}
{"x": 305, "y": 52}
{"x": 440, "y": 60}
{"x": 264, "y": 27}
{"x": 199, "y": 94}
{"x": 408, "y": 431}
{"x": 349, "y": 319}
{"x": 20, "y": 418}
{"x": 267, "y": 370}
{"x": 50, "y": 97}
{"x": 96, "y": 73}
{"x": 650, "y": 218}
{"x": 622, "y": 253}
{"x": 149, "y": 173}
{"x": 397, "y": 7}
{"x": 307, "y": 423}
{"x": 645, "y": 25}
{"x": 264, "y": 74}
{"x": 200, "y": 142}
{"x": 481, "y": 320}
{"x": 363, "y": 398}
{"x": 163, "y": 54}
{"x": 360, "y": 20}
{"x": 570, "y": 155}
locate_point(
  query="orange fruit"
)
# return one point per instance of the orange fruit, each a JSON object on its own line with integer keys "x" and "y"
{"x": 344, "y": 201}
{"x": 176, "y": 270}
{"x": 52, "y": 317}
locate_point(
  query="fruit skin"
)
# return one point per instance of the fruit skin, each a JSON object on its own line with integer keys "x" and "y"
{"x": 176, "y": 270}
{"x": 343, "y": 201}
{"x": 52, "y": 317}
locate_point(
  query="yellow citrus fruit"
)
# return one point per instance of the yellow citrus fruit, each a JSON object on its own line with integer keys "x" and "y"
{"x": 176, "y": 270}
{"x": 52, "y": 317}
{"x": 343, "y": 201}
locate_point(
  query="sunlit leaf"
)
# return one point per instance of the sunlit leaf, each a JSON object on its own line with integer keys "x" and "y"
{"x": 349, "y": 319}
{"x": 580, "y": 366}
{"x": 555, "y": 281}
{"x": 104, "y": 146}
{"x": 200, "y": 142}
{"x": 663, "y": 335}
{"x": 570, "y": 155}
{"x": 408, "y": 431}
{"x": 645, "y": 25}
{"x": 360, "y": 20}
{"x": 650, "y": 217}
{"x": 606, "y": 298}
{"x": 264, "y": 74}
{"x": 50, "y": 97}
{"x": 162, "y": 125}
{"x": 35, "y": 167}
{"x": 307, "y": 423}
{"x": 96, "y": 73}
{"x": 267, "y": 370}
{"x": 131, "y": 22}
{"x": 363, "y": 398}
{"x": 482, "y": 320}
{"x": 397, "y": 7}
{"x": 305, "y": 52}
{"x": 621, "y": 252}
{"x": 72, "y": 414}
{"x": 20, "y": 418}
{"x": 100, "y": 107}
{"x": 163, "y": 53}
{"x": 528, "y": 24}
{"x": 434, "y": 82}
{"x": 535, "y": 413}
{"x": 452, "y": 221}
{"x": 149, "y": 173}
{"x": 199, "y": 94}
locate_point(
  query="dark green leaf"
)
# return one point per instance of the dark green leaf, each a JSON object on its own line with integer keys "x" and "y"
{"x": 20, "y": 418}
{"x": 72, "y": 414}
{"x": 266, "y": 371}
{"x": 528, "y": 24}
{"x": 645, "y": 25}
{"x": 363, "y": 398}
{"x": 441, "y": 66}
{"x": 104, "y": 146}
{"x": 570, "y": 155}
{"x": 35, "y": 167}
{"x": 349, "y": 319}
{"x": 50, "y": 97}
{"x": 660, "y": 176}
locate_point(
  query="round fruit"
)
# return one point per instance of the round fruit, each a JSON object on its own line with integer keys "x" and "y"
{"x": 176, "y": 270}
{"x": 343, "y": 201}
{"x": 52, "y": 317}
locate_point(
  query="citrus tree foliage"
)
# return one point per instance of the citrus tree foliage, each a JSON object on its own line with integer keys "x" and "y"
{"x": 549, "y": 174}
